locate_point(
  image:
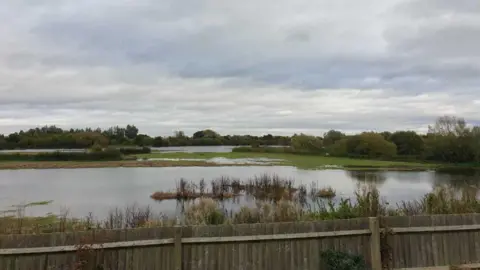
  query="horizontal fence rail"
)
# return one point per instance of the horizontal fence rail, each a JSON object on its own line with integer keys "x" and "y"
{"x": 194, "y": 240}
{"x": 423, "y": 242}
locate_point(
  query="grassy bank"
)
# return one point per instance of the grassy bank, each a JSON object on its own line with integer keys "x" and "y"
{"x": 84, "y": 160}
{"x": 100, "y": 155}
{"x": 14, "y": 165}
{"x": 302, "y": 161}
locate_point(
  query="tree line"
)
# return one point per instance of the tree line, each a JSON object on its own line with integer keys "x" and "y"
{"x": 52, "y": 137}
{"x": 450, "y": 139}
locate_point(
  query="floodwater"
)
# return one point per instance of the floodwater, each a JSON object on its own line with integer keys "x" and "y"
{"x": 224, "y": 161}
{"x": 196, "y": 149}
{"x": 82, "y": 191}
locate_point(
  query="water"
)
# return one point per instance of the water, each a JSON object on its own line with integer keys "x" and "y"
{"x": 82, "y": 191}
{"x": 224, "y": 161}
{"x": 195, "y": 149}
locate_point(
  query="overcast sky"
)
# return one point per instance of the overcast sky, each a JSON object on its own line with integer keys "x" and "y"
{"x": 251, "y": 66}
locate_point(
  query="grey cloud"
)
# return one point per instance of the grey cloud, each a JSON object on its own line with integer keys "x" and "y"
{"x": 210, "y": 51}
{"x": 445, "y": 41}
{"x": 428, "y": 8}
{"x": 247, "y": 67}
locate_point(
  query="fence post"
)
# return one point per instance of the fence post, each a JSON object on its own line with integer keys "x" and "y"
{"x": 178, "y": 247}
{"x": 375, "y": 253}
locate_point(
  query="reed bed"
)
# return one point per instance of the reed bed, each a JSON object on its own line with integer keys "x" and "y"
{"x": 366, "y": 202}
{"x": 264, "y": 187}
{"x": 221, "y": 188}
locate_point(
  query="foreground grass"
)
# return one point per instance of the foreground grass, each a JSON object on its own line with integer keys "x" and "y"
{"x": 302, "y": 161}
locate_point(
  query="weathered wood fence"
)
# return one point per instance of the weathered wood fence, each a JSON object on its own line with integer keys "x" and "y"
{"x": 402, "y": 242}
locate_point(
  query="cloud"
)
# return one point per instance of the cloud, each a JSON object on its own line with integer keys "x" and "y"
{"x": 260, "y": 66}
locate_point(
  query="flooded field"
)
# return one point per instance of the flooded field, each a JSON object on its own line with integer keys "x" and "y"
{"x": 81, "y": 191}
{"x": 223, "y": 161}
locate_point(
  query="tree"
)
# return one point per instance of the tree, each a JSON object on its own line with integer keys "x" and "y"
{"x": 476, "y": 142}
{"x": 408, "y": 143}
{"x": 332, "y": 136}
{"x": 159, "y": 142}
{"x": 179, "y": 134}
{"x": 450, "y": 140}
{"x": 371, "y": 145}
{"x": 386, "y": 135}
{"x": 13, "y": 138}
{"x": 339, "y": 148}
{"x": 131, "y": 132}
{"x": 306, "y": 143}
{"x": 207, "y": 133}
{"x": 3, "y": 143}
{"x": 449, "y": 126}
{"x": 143, "y": 140}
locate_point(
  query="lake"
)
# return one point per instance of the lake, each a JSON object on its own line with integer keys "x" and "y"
{"x": 196, "y": 149}
{"x": 82, "y": 191}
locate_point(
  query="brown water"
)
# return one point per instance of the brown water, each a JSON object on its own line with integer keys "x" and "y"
{"x": 82, "y": 191}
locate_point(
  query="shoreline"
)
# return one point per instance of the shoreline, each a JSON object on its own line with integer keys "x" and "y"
{"x": 202, "y": 160}
{"x": 39, "y": 165}
{"x": 16, "y": 165}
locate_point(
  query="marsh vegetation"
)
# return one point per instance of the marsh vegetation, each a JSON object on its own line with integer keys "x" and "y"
{"x": 325, "y": 205}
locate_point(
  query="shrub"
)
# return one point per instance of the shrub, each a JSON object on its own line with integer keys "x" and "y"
{"x": 135, "y": 150}
{"x": 205, "y": 212}
{"x": 336, "y": 260}
{"x": 282, "y": 211}
{"x": 307, "y": 143}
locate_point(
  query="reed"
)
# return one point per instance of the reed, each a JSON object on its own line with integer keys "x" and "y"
{"x": 220, "y": 189}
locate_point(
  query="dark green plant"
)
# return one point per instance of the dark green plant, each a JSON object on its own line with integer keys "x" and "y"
{"x": 135, "y": 150}
{"x": 336, "y": 260}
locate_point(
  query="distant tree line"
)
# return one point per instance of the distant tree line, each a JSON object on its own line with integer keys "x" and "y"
{"x": 52, "y": 137}
{"x": 449, "y": 139}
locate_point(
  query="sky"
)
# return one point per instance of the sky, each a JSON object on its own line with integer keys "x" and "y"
{"x": 239, "y": 67}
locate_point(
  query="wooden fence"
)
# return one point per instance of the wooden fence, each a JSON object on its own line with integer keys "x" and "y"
{"x": 402, "y": 242}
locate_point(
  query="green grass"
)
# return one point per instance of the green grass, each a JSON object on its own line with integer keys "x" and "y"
{"x": 303, "y": 161}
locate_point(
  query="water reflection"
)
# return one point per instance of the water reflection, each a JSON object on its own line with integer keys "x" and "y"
{"x": 368, "y": 177}
{"x": 195, "y": 149}
{"x": 457, "y": 177}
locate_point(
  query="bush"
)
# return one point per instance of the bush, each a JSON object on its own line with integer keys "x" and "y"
{"x": 307, "y": 143}
{"x": 205, "y": 212}
{"x": 335, "y": 260}
{"x": 282, "y": 211}
{"x": 135, "y": 150}
{"x": 339, "y": 148}
{"x": 372, "y": 145}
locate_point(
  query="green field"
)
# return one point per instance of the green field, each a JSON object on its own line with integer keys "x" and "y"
{"x": 302, "y": 161}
